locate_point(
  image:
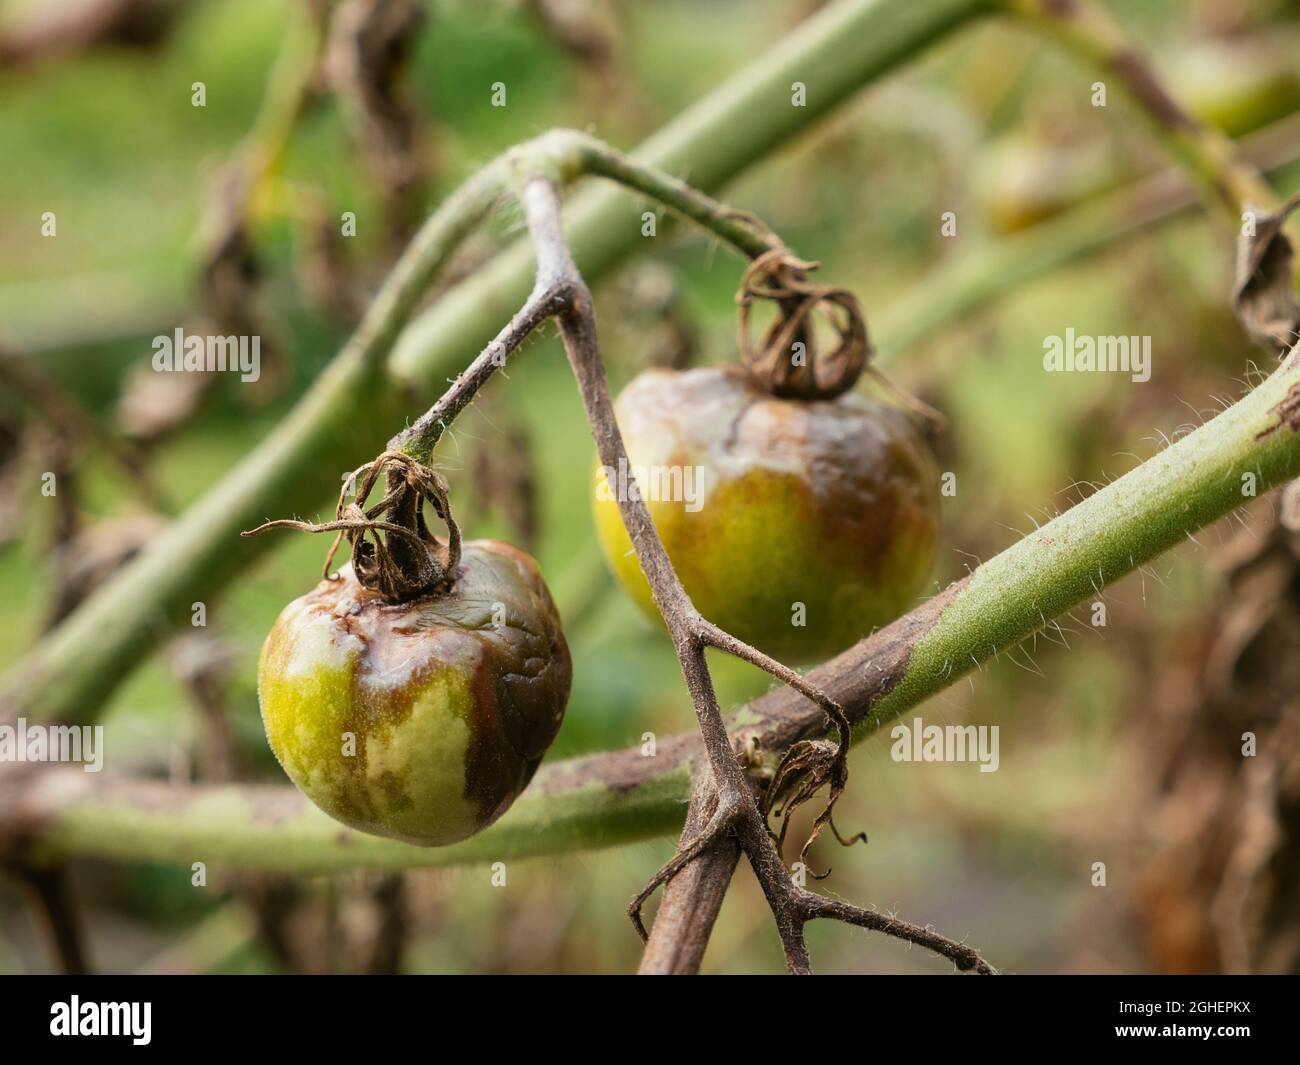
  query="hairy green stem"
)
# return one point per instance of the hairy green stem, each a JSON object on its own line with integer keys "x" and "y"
{"x": 606, "y": 799}
{"x": 1225, "y": 463}
{"x": 277, "y": 828}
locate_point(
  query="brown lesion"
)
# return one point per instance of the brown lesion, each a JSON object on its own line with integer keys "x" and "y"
{"x": 521, "y": 690}
{"x": 1286, "y": 411}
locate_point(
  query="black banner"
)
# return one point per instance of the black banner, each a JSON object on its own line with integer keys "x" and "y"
{"x": 336, "y": 1014}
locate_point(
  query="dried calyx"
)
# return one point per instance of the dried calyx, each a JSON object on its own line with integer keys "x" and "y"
{"x": 393, "y": 551}
{"x": 787, "y": 362}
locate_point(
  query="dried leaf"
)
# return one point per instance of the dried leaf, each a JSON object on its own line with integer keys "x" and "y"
{"x": 1263, "y": 296}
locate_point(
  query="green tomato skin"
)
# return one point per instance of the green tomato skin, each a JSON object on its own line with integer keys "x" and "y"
{"x": 829, "y": 504}
{"x": 421, "y": 721}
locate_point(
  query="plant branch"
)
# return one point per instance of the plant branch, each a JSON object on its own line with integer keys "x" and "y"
{"x": 566, "y": 153}
{"x": 420, "y": 438}
{"x": 693, "y": 898}
{"x": 743, "y": 232}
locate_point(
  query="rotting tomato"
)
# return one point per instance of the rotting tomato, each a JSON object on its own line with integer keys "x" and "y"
{"x": 420, "y": 720}
{"x": 813, "y": 520}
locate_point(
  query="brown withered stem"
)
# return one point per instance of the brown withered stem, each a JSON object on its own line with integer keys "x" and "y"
{"x": 735, "y": 810}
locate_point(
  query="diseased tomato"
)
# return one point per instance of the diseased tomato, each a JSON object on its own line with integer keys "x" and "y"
{"x": 796, "y": 525}
{"x": 421, "y": 720}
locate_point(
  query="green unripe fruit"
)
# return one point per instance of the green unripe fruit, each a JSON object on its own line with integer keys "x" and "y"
{"x": 824, "y": 512}
{"x": 423, "y": 720}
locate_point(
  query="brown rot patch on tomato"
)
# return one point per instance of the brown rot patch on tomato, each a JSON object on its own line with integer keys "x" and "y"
{"x": 488, "y": 777}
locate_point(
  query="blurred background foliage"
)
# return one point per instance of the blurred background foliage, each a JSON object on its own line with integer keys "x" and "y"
{"x": 993, "y": 125}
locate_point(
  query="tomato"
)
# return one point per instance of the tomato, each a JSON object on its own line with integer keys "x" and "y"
{"x": 421, "y": 720}
{"x": 796, "y": 525}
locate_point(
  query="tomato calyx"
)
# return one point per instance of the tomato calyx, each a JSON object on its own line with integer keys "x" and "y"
{"x": 787, "y": 362}
{"x": 407, "y": 561}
